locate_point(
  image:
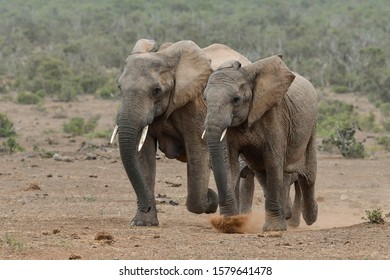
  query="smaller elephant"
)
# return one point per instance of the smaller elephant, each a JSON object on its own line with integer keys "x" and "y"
{"x": 268, "y": 115}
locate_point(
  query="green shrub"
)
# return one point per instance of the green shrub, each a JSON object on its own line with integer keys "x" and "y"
{"x": 368, "y": 123}
{"x": 78, "y": 126}
{"x": 6, "y": 126}
{"x": 11, "y": 146}
{"x": 344, "y": 140}
{"x": 340, "y": 89}
{"x": 385, "y": 142}
{"x": 28, "y": 98}
{"x": 385, "y": 109}
{"x": 50, "y": 76}
{"x": 376, "y": 216}
{"x": 90, "y": 83}
{"x": 67, "y": 92}
{"x": 43, "y": 153}
{"x": 108, "y": 91}
{"x": 332, "y": 113}
{"x": 386, "y": 125}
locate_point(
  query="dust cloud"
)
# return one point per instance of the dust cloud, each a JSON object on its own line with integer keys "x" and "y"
{"x": 244, "y": 223}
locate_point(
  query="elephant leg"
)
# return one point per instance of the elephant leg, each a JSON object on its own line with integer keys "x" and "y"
{"x": 234, "y": 163}
{"x": 147, "y": 159}
{"x": 200, "y": 198}
{"x": 287, "y": 205}
{"x": 297, "y": 206}
{"x": 246, "y": 188}
{"x": 274, "y": 196}
{"x": 246, "y": 191}
{"x": 307, "y": 182}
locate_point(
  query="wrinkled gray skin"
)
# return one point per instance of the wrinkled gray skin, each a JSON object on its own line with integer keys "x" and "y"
{"x": 246, "y": 192}
{"x": 164, "y": 91}
{"x": 271, "y": 115}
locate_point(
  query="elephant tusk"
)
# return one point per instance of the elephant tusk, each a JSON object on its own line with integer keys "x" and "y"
{"x": 203, "y": 134}
{"x": 114, "y": 133}
{"x": 223, "y": 134}
{"x": 143, "y": 137}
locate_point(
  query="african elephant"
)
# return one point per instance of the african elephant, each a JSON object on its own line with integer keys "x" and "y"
{"x": 163, "y": 105}
{"x": 269, "y": 115}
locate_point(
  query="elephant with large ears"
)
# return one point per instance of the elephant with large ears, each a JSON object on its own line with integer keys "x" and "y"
{"x": 268, "y": 115}
{"x": 163, "y": 105}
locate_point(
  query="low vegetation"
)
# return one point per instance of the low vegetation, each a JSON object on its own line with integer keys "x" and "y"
{"x": 7, "y": 131}
{"x": 376, "y": 216}
{"x": 79, "y": 126}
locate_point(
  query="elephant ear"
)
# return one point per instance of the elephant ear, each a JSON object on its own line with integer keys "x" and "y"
{"x": 191, "y": 73}
{"x": 271, "y": 80}
{"x": 143, "y": 45}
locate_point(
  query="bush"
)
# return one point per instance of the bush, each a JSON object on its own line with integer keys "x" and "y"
{"x": 385, "y": 109}
{"x": 6, "y": 126}
{"x": 340, "y": 89}
{"x": 375, "y": 216}
{"x": 11, "y": 146}
{"x": 344, "y": 140}
{"x": 78, "y": 126}
{"x": 385, "y": 142}
{"x": 28, "y": 98}
{"x": 49, "y": 76}
{"x": 332, "y": 113}
{"x": 108, "y": 91}
{"x": 386, "y": 125}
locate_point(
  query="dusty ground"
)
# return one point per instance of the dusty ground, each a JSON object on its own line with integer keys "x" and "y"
{"x": 79, "y": 204}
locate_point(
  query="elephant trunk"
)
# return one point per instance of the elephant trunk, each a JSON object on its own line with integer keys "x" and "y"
{"x": 221, "y": 169}
{"x": 129, "y": 135}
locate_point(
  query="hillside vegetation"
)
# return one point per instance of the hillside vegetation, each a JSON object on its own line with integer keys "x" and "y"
{"x": 63, "y": 48}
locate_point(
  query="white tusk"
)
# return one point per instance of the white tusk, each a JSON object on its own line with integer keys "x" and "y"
{"x": 114, "y": 133}
{"x": 223, "y": 134}
{"x": 143, "y": 137}
{"x": 203, "y": 134}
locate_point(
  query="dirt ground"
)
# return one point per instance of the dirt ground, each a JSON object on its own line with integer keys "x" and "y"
{"x": 78, "y": 204}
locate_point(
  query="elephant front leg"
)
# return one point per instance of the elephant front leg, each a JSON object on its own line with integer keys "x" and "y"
{"x": 147, "y": 216}
{"x": 200, "y": 198}
{"x": 274, "y": 196}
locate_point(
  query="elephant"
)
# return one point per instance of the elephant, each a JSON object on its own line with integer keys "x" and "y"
{"x": 266, "y": 114}
{"x": 163, "y": 106}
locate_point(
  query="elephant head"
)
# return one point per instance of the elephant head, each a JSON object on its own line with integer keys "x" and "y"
{"x": 153, "y": 85}
{"x": 240, "y": 96}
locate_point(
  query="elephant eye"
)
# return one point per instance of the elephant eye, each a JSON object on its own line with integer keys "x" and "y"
{"x": 156, "y": 92}
{"x": 236, "y": 99}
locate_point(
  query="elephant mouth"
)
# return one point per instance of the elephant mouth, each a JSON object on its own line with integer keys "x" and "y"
{"x": 141, "y": 141}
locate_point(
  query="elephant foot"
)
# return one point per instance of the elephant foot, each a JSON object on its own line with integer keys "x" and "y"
{"x": 310, "y": 213}
{"x": 288, "y": 212}
{"x": 147, "y": 219}
{"x": 212, "y": 202}
{"x": 274, "y": 223}
{"x": 208, "y": 206}
{"x": 294, "y": 221}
